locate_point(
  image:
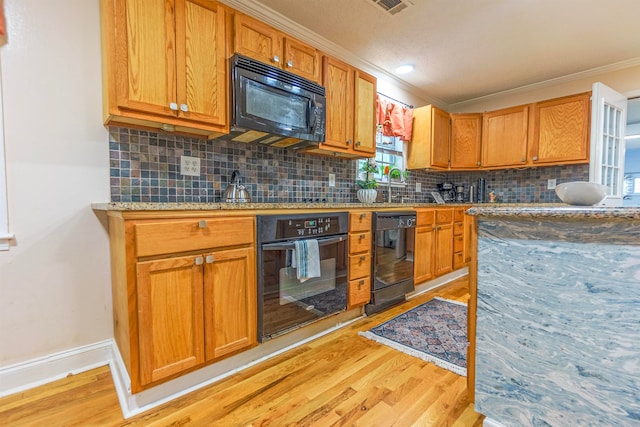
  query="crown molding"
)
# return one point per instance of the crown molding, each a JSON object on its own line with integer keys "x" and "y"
{"x": 269, "y": 16}
{"x": 616, "y": 66}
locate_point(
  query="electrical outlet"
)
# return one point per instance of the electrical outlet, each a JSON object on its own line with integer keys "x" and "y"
{"x": 551, "y": 184}
{"x": 332, "y": 180}
{"x": 418, "y": 187}
{"x": 189, "y": 166}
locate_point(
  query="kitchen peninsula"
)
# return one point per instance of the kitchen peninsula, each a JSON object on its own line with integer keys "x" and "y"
{"x": 558, "y": 291}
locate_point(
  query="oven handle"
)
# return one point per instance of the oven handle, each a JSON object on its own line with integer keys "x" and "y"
{"x": 290, "y": 245}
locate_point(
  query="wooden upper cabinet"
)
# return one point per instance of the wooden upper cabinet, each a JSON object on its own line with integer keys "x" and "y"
{"x": 466, "y": 141}
{"x": 430, "y": 143}
{"x": 364, "y": 134}
{"x": 164, "y": 63}
{"x": 350, "y": 111}
{"x": 504, "y": 137}
{"x": 560, "y": 130}
{"x": 338, "y": 81}
{"x": 266, "y": 44}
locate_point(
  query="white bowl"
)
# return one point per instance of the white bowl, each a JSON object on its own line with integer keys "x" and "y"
{"x": 581, "y": 193}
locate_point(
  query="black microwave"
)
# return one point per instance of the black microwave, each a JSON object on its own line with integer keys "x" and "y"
{"x": 274, "y": 107}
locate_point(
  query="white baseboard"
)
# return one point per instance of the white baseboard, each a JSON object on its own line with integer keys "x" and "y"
{"x": 437, "y": 282}
{"x": 36, "y": 372}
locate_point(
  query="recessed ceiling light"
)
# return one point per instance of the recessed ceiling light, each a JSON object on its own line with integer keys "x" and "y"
{"x": 404, "y": 69}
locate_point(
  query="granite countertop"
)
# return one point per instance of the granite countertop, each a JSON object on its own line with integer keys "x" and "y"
{"x": 558, "y": 211}
{"x": 186, "y": 206}
{"x": 520, "y": 210}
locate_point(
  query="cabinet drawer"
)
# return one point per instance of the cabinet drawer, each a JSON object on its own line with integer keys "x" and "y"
{"x": 458, "y": 260}
{"x": 359, "y": 292}
{"x": 425, "y": 217}
{"x": 458, "y": 244}
{"x": 183, "y": 235}
{"x": 458, "y": 228}
{"x": 359, "y": 221}
{"x": 444, "y": 216}
{"x": 359, "y": 242}
{"x": 458, "y": 214}
{"x": 359, "y": 266}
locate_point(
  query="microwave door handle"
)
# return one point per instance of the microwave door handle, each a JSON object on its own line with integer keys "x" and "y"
{"x": 290, "y": 245}
{"x": 312, "y": 107}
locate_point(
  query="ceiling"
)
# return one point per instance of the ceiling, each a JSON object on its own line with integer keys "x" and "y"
{"x": 466, "y": 49}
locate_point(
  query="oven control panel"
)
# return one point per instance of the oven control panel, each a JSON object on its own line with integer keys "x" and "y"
{"x": 305, "y": 227}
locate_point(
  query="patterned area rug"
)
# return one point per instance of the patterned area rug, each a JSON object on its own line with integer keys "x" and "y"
{"x": 435, "y": 331}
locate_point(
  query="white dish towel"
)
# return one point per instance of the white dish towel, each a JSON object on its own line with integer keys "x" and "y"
{"x": 306, "y": 259}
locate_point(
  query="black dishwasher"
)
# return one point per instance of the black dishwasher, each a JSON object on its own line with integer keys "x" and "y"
{"x": 393, "y": 255}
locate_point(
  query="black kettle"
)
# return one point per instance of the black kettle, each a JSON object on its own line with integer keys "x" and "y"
{"x": 235, "y": 191}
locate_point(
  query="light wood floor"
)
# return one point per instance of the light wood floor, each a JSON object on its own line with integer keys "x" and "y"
{"x": 341, "y": 379}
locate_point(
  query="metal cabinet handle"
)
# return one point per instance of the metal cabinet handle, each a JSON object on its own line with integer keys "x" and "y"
{"x": 535, "y": 158}
{"x": 209, "y": 259}
{"x": 361, "y": 283}
{"x": 478, "y": 163}
{"x": 363, "y": 258}
{"x": 199, "y": 260}
{"x": 348, "y": 142}
{"x": 183, "y": 107}
{"x": 173, "y": 106}
{"x": 524, "y": 159}
{"x": 289, "y": 63}
{"x": 362, "y": 236}
{"x": 357, "y": 143}
{"x": 202, "y": 223}
{"x": 276, "y": 58}
{"x": 363, "y": 215}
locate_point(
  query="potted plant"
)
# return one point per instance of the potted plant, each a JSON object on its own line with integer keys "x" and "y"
{"x": 367, "y": 192}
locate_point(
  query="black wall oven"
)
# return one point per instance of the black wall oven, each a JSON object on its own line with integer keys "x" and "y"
{"x": 284, "y": 302}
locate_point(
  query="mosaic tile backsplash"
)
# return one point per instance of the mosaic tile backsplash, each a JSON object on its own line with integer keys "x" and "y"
{"x": 145, "y": 167}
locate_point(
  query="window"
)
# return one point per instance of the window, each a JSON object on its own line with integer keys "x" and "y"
{"x": 389, "y": 155}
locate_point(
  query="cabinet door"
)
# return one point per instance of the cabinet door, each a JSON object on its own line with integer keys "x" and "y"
{"x": 144, "y": 62}
{"x": 466, "y": 139}
{"x": 338, "y": 81}
{"x": 201, "y": 61}
{"x": 302, "y": 59}
{"x": 440, "y": 138}
{"x": 561, "y": 130}
{"x": 229, "y": 302}
{"x": 256, "y": 40}
{"x": 170, "y": 317}
{"x": 423, "y": 264}
{"x": 364, "y": 133}
{"x": 444, "y": 249}
{"x": 429, "y": 146}
{"x": 504, "y": 137}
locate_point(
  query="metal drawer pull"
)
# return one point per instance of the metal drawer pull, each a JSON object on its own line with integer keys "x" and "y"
{"x": 183, "y": 107}
{"x": 363, "y": 257}
{"x": 202, "y": 223}
{"x": 209, "y": 259}
{"x": 289, "y": 63}
{"x": 362, "y": 236}
{"x": 173, "y": 106}
{"x": 199, "y": 260}
{"x": 361, "y": 282}
{"x": 363, "y": 215}
{"x": 276, "y": 59}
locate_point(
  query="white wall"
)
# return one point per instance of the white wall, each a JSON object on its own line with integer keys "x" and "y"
{"x": 624, "y": 80}
{"x": 55, "y": 279}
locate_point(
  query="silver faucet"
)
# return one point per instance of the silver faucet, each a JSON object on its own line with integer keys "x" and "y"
{"x": 389, "y": 184}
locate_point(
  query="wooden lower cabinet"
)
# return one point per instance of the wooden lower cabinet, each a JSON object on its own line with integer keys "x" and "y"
{"x": 444, "y": 249}
{"x": 229, "y": 304}
{"x": 171, "y": 326}
{"x": 424, "y": 246}
{"x": 359, "y": 292}
{"x": 175, "y": 312}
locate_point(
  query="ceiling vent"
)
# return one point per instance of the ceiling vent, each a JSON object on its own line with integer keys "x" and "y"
{"x": 393, "y": 6}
